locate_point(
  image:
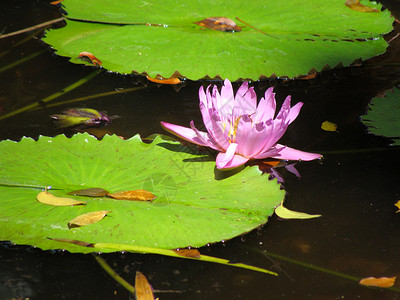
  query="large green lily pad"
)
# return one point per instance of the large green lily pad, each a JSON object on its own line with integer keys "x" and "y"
{"x": 383, "y": 116}
{"x": 282, "y": 37}
{"x": 193, "y": 208}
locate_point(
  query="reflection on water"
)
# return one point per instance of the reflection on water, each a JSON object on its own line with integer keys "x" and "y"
{"x": 354, "y": 187}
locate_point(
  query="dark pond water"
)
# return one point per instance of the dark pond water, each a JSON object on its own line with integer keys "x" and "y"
{"x": 354, "y": 187}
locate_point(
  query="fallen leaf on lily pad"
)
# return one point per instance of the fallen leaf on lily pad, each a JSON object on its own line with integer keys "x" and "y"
{"x": 193, "y": 253}
{"x": 398, "y": 206}
{"x": 357, "y": 6}
{"x": 49, "y": 199}
{"x": 284, "y": 213}
{"x": 141, "y": 195}
{"x": 219, "y": 23}
{"x": 328, "y": 126}
{"x": 143, "y": 289}
{"x": 89, "y": 57}
{"x": 88, "y": 218}
{"x": 92, "y": 192}
{"x": 384, "y": 282}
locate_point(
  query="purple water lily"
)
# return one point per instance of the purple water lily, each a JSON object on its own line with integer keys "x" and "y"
{"x": 239, "y": 129}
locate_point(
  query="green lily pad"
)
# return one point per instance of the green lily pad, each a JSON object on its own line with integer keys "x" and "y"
{"x": 383, "y": 116}
{"x": 287, "y": 38}
{"x": 192, "y": 208}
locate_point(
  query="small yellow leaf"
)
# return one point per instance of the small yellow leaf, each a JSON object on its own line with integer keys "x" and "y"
{"x": 143, "y": 290}
{"x": 141, "y": 195}
{"x": 192, "y": 253}
{"x": 398, "y": 206}
{"x": 328, "y": 126}
{"x": 49, "y": 199}
{"x": 88, "y": 218}
{"x": 284, "y": 213}
{"x": 384, "y": 282}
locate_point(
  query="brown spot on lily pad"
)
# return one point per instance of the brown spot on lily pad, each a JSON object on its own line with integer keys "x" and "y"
{"x": 220, "y": 24}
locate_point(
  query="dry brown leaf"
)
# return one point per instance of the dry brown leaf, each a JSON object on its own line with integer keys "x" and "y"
{"x": 92, "y": 192}
{"x": 220, "y": 24}
{"x": 49, "y": 199}
{"x": 141, "y": 195}
{"x": 192, "y": 253}
{"x": 384, "y": 282}
{"x": 143, "y": 290}
{"x": 88, "y": 218}
{"x": 357, "y": 6}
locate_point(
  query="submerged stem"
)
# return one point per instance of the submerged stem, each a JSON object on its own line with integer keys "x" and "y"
{"x": 53, "y": 96}
{"x": 114, "y": 274}
{"x": 316, "y": 268}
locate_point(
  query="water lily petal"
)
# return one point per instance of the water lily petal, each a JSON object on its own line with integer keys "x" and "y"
{"x": 210, "y": 99}
{"x": 235, "y": 162}
{"x": 292, "y": 169}
{"x": 285, "y": 109}
{"x": 188, "y": 134}
{"x": 207, "y": 113}
{"x": 294, "y": 112}
{"x": 251, "y": 139}
{"x": 275, "y": 129}
{"x": 206, "y": 137}
{"x": 224, "y": 158}
{"x": 202, "y": 96}
{"x": 226, "y": 101}
{"x": 245, "y": 101}
{"x": 218, "y": 131}
{"x": 288, "y": 153}
{"x": 244, "y": 127}
{"x": 266, "y": 107}
{"x": 268, "y": 152}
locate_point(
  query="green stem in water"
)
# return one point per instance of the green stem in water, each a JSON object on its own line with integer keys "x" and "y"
{"x": 114, "y": 274}
{"x": 316, "y": 268}
{"x": 91, "y": 97}
{"x": 166, "y": 252}
{"x": 53, "y": 96}
{"x": 22, "y": 60}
